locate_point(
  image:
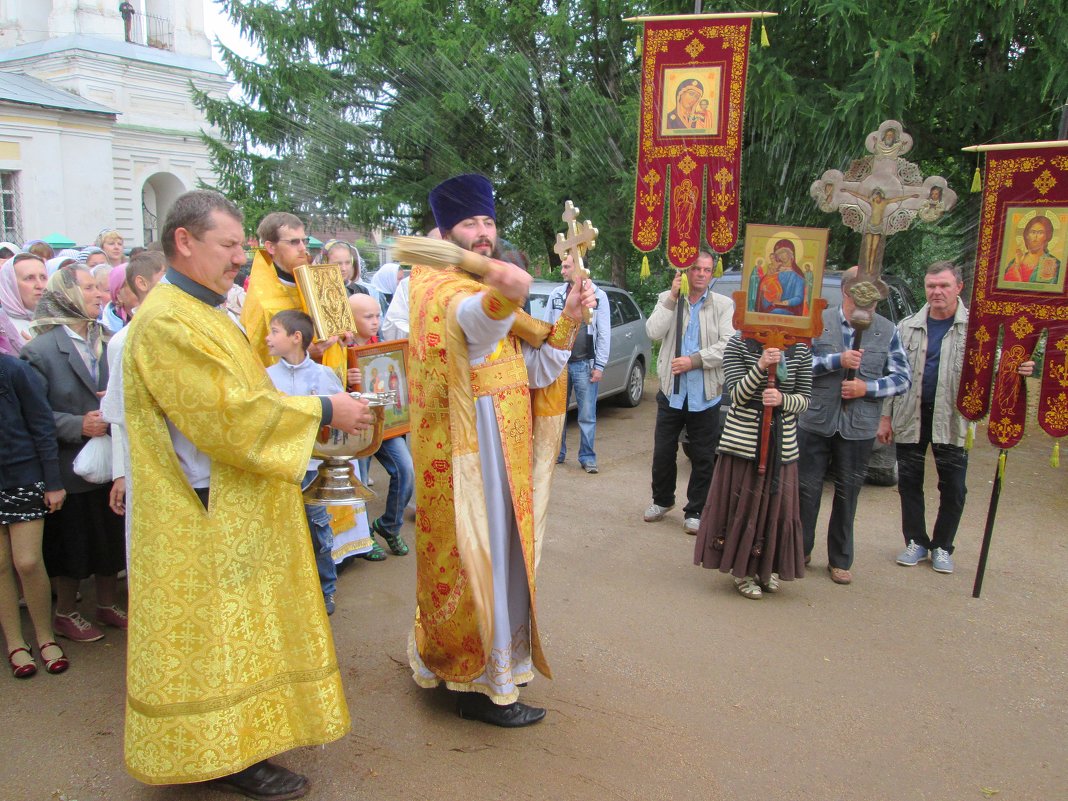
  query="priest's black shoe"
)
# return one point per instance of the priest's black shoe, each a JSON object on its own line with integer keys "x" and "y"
{"x": 265, "y": 781}
{"x": 476, "y": 706}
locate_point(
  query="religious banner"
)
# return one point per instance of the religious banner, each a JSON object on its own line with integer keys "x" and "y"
{"x": 690, "y": 133}
{"x": 1019, "y": 291}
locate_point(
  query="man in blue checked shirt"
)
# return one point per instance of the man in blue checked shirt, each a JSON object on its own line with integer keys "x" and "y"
{"x": 842, "y": 420}
{"x": 589, "y": 357}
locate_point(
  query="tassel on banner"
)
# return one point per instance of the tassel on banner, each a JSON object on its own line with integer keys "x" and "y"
{"x": 969, "y": 437}
{"x": 684, "y": 287}
{"x": 1055, "y": 457}
{"x": 764, "y": 41}
{"x": 644, "y": 273}
{"x": 977, "y": 180}
{"x": 638, "y": 47}
{"x": 718, "y": 272}
{"x": 1001, "y": 464}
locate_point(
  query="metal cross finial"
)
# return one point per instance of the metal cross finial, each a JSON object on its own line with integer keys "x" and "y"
{"x": 580, "y": 238}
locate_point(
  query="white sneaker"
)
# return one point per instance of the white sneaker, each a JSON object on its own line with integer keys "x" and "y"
{"x": 656, "y": 512}
{"x": 691, "y": 524}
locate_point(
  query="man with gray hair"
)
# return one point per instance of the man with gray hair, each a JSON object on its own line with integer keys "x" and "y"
{"x": 934, "y": 340}
{"x": 230, "y": 660}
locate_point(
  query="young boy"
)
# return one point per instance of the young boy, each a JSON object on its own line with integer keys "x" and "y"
{"x": 394, "y": 455}
{"x": 288, "y": 337}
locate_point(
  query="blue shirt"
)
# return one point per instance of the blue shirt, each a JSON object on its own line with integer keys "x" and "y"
{"x": 691, "y": 394}
{"x": 936, "y": 331}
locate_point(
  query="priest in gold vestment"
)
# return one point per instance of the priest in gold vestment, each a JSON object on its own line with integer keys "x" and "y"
{"x": 487, "y": 389}
{"x": 230, "y": 658}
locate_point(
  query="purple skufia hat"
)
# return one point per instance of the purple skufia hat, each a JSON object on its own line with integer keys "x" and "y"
{"x": 461, "y": 197}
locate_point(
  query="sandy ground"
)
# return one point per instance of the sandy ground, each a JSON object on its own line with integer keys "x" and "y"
{"x": 668, "y": 684}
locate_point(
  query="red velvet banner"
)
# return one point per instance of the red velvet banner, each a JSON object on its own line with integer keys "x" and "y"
{"x": 1019, "y": 291}
{"x": 690, "y": 135}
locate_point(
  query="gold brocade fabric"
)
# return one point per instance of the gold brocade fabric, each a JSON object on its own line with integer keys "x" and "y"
{"x": 266, "y": 297}
{"x": 454, "y": 588}
{"x": 230, "y": 659}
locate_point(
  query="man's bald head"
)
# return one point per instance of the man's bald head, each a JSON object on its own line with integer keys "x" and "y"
{"x": 367, "y": 314}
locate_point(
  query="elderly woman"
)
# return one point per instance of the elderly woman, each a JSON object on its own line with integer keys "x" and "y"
{"x": 84, "y": 538}
{"x": 111, "y": 242}
{"x": 22, "y": 283}
{"x": 92, "y": 256}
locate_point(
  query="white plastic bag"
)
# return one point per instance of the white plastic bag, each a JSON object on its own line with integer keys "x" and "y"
{"x": 93, "y": 462}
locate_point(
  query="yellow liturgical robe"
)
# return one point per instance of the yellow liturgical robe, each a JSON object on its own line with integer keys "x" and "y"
{"x": 267, "y": 296}
{"x": 230, "y": 658}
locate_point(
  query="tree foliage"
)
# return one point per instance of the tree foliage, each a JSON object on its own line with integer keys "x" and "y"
{"x": 359, "y": 107}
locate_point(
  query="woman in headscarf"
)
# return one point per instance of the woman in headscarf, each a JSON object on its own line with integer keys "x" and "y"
{"x": 22, "y": 283}
{"x": 114, "y": 316}
{"x": 347, "y": 257}
{"x": 92, "y": 256}
{"x": 84, "y": 538}
{"x": 10, "y": 338}
{"x": 58, "y": 263}
{"x": 40, "y": 248}
{"x": 111, "y": 242}
{"x": 386, "y": 280}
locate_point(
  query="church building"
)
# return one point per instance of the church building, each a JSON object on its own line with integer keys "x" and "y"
{"x": 97, "y": 124}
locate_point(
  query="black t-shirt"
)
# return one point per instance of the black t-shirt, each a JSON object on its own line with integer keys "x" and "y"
{"x": 936, "y": 331}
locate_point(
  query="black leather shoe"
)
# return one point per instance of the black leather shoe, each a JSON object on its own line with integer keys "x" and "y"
{"x": 265, "y": 781}
{"x": 476, "y": 706}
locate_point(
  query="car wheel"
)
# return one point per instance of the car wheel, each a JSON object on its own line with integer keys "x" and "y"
{"x": 635, "y": 386}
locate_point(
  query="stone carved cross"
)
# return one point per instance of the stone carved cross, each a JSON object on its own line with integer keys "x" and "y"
{"x": 580, "y": 238}
{"x": 878, "y": 196}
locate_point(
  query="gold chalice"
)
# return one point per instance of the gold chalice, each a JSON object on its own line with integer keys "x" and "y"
{"x": 336, "y": 483}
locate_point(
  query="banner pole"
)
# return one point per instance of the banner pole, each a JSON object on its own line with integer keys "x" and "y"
{"x": 991, "y": 514}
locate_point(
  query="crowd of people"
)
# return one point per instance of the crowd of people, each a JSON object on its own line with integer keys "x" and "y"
{"x": 161, "y": 418}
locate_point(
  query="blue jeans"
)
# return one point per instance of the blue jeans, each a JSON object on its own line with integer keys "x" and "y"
{"x": 578, "y": 379}
{"x": 322, "y": 540}
{"x": 395, "y": 457}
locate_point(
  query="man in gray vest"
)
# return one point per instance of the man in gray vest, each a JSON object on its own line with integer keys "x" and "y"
{"x": 842, "y": 420}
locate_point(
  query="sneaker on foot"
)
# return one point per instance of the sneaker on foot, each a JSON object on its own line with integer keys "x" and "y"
{"x": 691, "y": 524}
{"x": 941, "y": 560}
{"x": 329, "y": 601}
{"x": 111, "y": 616}
{"x": 656, "y": 512}
{"x": 590, "y": 468}
{"x": 77, "y": 628}
{"x": 913, "y": 554}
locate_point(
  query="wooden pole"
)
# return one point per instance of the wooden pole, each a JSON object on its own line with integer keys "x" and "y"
{"x": 991, "y": 515}
{"x": 682, "y": 17}
{"x": 765, "y": 426}
{"x": 1014, "y": 146}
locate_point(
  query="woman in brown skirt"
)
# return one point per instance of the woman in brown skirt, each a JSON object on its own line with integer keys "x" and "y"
{"x": 751, "y": 524}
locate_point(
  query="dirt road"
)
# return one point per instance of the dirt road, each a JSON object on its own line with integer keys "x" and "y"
{"x": 669, "y": 685}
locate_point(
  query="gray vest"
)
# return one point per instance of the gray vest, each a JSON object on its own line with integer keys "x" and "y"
{"x": 859, "y": 418}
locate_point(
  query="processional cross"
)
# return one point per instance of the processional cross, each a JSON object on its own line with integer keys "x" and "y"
{"x": 878, "y": 196}
{"x": 580, "y": 238}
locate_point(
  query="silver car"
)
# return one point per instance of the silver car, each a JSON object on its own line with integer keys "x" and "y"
{"x": 630, "y": 353}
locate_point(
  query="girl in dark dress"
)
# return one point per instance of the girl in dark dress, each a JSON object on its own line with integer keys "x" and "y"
{"x": 751, "y": 524}
{"x": 30, "y": 487}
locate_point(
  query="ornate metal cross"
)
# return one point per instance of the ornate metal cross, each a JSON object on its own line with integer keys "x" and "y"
{"x": 580, "y": 238}
{"x": 878, "y": 196}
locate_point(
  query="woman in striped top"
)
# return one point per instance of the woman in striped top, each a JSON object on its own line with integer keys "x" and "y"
{"x": 751, "y": 524}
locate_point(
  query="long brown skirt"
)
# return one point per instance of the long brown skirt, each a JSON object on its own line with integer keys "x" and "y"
{"x": 747, "y": 530}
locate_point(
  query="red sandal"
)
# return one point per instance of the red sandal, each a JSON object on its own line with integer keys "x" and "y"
{"x": 22, "y": 671}
{"x": 57, "y": 665}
